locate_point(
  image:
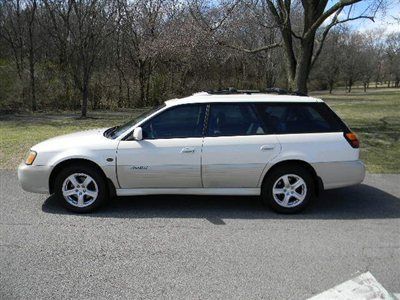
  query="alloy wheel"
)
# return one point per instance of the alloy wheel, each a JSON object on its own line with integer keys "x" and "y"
{"x": 289, "y": 190}
{"x": 80, "y": 190}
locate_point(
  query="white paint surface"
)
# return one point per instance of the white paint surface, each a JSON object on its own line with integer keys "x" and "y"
{"x": 362, "y": 287}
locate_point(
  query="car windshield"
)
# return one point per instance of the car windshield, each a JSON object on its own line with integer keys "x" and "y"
{"x": 116, "y": 131}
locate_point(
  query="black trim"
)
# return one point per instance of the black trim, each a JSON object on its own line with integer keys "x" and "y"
{"x": 206, "y": 119}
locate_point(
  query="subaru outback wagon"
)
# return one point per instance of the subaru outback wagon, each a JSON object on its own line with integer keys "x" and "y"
{"x": 283, "y": 148}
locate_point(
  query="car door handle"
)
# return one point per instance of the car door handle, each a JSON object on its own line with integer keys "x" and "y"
{"x": 267, "y": 147}
{"x": 187, "y": 150}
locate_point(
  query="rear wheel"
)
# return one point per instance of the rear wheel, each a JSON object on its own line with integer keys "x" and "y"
{"x": 80, "y": 189}
{"x": 288, "y": 189}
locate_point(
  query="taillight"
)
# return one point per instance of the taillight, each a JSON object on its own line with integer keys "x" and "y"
{"x": 351, "y": 137}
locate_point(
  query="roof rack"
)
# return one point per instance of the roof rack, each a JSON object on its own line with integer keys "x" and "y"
{"x": 274, "y": 90}
{"x": 230, "y": 91}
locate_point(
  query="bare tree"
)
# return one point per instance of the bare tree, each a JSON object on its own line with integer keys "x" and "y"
{"x": 144, "y": 24}
{"x": 118, "y": 53}
{"x": 299, "y": 37}
{"x": 81, "y": 28}
{"x": 89, "y": 24}
{"x": 13, "y": 31}
{"x": 18, "y": 29}
{"x": 32, "y": 45}
{"x": 327, "y": 70}
{"x": 393, "y": 57}
{"x": 55, "y": 23}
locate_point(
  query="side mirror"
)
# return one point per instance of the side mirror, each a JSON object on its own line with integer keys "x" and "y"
{"x": 138, "y": 134}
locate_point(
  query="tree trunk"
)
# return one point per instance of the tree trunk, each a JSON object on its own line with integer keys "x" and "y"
{"x": 290, "y": 63}
{"x": 304, "y": 64}
{"x": 120, "y": 98}
{"x": 33, "y": 84}
{"x": 128, "y": 94}
{"x": 330, "y": 83}
{"x": 142, "y": 85}
{"x": 350, "y": 84}
{"x": 85, "y": 95}
{"x": 31, "y": 57}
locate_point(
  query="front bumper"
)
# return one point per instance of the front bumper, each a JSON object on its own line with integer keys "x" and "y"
{"x": 34, "y": 179}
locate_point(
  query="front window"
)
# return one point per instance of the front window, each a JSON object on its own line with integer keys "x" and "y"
{"x": 115, "y": 132}
{"x": 177, "y": 122}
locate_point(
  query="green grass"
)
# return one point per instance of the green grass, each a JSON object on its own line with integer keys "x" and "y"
{"x": 19, "y": 132}
{"x": 374, "y": 116}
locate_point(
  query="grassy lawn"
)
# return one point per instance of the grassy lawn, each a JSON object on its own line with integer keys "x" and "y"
{"x": 374, "y": 116}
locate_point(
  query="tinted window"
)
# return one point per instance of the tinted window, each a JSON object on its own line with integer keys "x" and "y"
{"x": 117, "y": 131}
{"x": 298, "y": 118}
{"x": 177, "y": 122}
{"x": 234, "y": 119}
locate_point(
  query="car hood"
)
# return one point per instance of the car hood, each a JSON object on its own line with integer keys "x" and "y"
{"x": 89, "y": 138}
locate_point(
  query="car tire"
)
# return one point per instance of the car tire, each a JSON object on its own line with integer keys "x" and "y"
{"x": 288, "y": 189}
{"x": 81, "y": 189}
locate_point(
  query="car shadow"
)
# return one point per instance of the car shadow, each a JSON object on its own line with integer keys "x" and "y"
{"x": 357, "y": 202}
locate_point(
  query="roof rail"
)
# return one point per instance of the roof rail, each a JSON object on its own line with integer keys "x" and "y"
{"x": 274, "y": 90}
{"x": 231, "y": 90}
{"x": 281, "y": 91}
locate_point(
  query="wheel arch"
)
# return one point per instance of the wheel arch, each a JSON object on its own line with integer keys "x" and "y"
{"x": 318, "y": 184}
{"x": 81, "y": 162}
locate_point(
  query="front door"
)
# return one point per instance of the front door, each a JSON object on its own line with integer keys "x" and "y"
{"x": 236, "y": 147}
{"x": 169, "y": 156}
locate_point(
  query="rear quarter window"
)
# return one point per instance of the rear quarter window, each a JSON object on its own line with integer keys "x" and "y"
{"x": 289, "y": 118}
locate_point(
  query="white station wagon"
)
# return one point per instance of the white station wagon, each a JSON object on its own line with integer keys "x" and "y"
{"x": 283, "y": 148}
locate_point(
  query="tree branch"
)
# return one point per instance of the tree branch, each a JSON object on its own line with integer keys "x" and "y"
{"x": 339, "y": 5}
{"x": 255, "y": 50}
{"x": 199, "y": 18}
{"x": 335, "y": 22}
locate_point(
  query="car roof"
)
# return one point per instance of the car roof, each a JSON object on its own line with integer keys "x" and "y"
{"x": 205, "y": 97}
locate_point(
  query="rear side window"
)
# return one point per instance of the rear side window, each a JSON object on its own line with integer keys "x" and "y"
{"x": 286, "y": 118}
{"x": 230, "y": 119}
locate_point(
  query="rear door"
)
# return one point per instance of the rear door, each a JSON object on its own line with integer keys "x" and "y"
{"x": 236, "y": 146}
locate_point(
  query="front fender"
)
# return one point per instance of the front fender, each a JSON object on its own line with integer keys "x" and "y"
{"x": 105, "y": 159}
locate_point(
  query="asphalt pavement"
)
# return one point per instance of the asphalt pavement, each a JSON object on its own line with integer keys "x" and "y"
{"x": 197, "y": 247}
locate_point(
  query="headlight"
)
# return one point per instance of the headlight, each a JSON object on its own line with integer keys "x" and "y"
{"x": 31, "y": 157}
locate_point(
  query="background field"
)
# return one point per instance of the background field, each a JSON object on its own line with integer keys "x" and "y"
{"x": 374, "y": 116}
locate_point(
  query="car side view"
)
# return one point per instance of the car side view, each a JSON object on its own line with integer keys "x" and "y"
{"x": 284, "y": 148}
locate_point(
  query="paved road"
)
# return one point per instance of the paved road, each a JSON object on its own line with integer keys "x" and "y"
{"x": 197, "y": 247}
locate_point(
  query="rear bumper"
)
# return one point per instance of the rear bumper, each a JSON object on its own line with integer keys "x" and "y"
{"x": 340, "y": 174}
{"x": 34, "y": 179}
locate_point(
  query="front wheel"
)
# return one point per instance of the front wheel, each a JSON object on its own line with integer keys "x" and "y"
{"x": 288, "y": 189}
{"x": 80, "y": 189}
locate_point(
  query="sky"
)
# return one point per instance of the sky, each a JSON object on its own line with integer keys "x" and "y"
{"x": 383, "y": 20}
